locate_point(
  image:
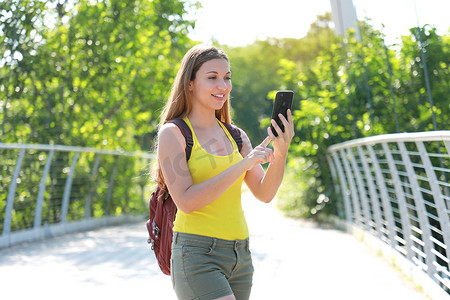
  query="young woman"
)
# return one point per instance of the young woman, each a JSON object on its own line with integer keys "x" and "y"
{"x": 210, "y": 249}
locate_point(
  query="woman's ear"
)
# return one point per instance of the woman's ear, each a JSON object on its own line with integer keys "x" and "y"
{"x": 191, "y": 85}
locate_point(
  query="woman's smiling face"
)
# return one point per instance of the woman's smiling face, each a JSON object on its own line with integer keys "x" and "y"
{"x": 212, "y": 84}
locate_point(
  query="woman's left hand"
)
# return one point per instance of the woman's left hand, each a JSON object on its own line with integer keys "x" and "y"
{"x": 282, "y": 141}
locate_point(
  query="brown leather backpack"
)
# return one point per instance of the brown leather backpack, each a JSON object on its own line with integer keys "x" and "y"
{"x": 163, "y": 210}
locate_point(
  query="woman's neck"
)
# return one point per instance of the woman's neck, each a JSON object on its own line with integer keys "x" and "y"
{"x": 203, "y": 119}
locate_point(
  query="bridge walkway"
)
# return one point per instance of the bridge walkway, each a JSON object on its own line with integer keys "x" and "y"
{"x": 293, "y": 260}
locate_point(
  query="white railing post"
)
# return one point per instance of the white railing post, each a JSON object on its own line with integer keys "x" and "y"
{"x": 92, "y": 187}
{"x": 404, "y": 216}
{"x": 372, "y": 190}
{"x": 388, "y": 214}
{"x": 355, "y": 198}
{"x": 68, "y": 188}
{"x": 344, "y": 188}
{"x": 365, "y": 212}
{"x": 111, "y": 185}
{"x": 11, "y": 194}
{"x": 40, "y": 199}
{"x": 339, "y": 204}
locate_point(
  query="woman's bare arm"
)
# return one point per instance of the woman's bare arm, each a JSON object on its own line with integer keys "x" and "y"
{"x": 264, "y": 185}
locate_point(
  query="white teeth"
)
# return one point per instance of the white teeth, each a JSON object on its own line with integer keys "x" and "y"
{"x": 220, "y": 96}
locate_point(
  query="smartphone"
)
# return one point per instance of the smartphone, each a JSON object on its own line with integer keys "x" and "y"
{"x": 283, "y": 102}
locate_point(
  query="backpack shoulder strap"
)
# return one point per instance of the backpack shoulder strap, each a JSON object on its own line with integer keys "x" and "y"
{"x": 187, "y": 133}
{"x": 235, "y": 133}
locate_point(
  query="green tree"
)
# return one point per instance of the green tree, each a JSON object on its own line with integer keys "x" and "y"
{"x": 85, "y": 73}
{"x": 263, "y": 66}
{"x": 412, "y": 91}
{"x": 98, "y": 74}
{"x": 21, "y": 31}
{"x": 354, "y": 89}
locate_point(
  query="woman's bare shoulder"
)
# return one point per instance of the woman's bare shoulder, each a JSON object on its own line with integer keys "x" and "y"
{"x": 168, "y": 133}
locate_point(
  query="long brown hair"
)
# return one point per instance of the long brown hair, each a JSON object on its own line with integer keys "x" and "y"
{"x": 179, "y": 104}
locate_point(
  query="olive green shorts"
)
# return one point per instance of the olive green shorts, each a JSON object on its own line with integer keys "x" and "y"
{"x": 206, "y": 268}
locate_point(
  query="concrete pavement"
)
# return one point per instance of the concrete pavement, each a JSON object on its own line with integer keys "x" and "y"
{"x": 292, "y": 259}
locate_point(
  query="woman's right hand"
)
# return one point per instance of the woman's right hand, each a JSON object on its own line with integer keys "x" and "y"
{"x": 259, "y": 155}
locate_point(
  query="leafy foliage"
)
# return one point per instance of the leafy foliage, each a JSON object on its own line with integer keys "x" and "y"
{"x": 85, "y": 73}
{"x": 95, "y": 75}
{"x": 362, "y": 88}
{"x": 269, "y": 65}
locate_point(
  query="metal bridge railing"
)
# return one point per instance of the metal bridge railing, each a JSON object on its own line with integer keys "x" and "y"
{"x": 397, "y": 188}
{"x": 47, "y": 190}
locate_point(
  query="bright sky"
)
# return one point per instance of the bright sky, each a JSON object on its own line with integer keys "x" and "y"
{"x": 240, "y": 22}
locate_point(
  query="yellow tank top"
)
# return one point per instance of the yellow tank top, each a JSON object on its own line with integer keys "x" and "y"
{"x": 224, "y": 217}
